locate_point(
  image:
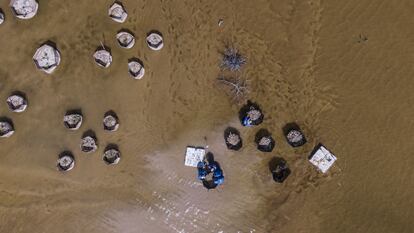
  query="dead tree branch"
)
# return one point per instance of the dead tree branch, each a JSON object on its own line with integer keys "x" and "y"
{"x": 237, "y": 88}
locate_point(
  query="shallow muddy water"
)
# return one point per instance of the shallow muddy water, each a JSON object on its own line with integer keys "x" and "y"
{"x": 342, "y": 71}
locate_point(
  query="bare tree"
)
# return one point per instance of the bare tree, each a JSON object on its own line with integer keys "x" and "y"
{"x": 237, "y": 88}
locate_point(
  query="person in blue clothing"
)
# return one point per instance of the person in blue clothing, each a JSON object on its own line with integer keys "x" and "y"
{"x": 218, "y": 177}
{"x": 247, "y": 121}
{"x": 204, "y": 169}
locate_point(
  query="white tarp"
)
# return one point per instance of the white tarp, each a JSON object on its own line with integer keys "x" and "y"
{"x": 46, "y": 58}
{"x": 323, "y": 159}
{"x": 24, "y": 9}
{"x": 117, "y": 12}
{"x": 193, "y": 155}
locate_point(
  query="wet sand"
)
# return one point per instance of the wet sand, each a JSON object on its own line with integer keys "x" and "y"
{"x": 306, "y": 63}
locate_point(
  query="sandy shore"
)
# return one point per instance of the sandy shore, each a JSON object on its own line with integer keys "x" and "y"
{"x": 308, "y": 62}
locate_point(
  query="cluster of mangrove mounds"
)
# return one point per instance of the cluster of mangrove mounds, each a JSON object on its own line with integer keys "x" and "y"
{"x": 112, "y": 155}
{"x": 66, "y": 161}
{"x": 233, "y": 139}
{"x": 125, "y": 38}
{"x": 136, "y": 68}
{"x": 6, "y": 127}
{"x": 17, "y": 102}
{"x": 264, "y": 141}
{"x": 2, "y": 16}
{"x": 279, "y": 169}
{"x": 103, "y": 56}
{"x": 155, "y": 40}
{"x": 251, "y": 114}
{"x": 294, "y": 135}
{"x": 73, "y": 119}
{"x": 117, "y": 12}
{"x": 47, "y": 57}
{"x": 232, "y": 60}
{"x": 24, "y": 9}
{"x": 110, "y": 121}
{"x": 89, "y": 142}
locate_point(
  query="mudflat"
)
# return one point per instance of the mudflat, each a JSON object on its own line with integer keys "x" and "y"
{"x": 341, "y": 70}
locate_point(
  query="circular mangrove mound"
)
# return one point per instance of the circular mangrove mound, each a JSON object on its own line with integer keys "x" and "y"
{"x": 110, "y": 121}
{"x": 117, "y": 12}
{"x": 6, "y": 128}
{"x": 125, "y": 39}
{"x": 266, "y": 144}
{"x": 72, "y": 121}
{"x": 281, "y": 171}
{"x": 111, "y": 156}
{"x": 66, "y": 161}
{"x": 136, "y": 69}
{"x": 89, "y": 144}
{"x": 24, "y": 9}
{"x": 233, "y": 139}
{"x": 103, "y": 57}
{"x": 17, "y": 103}
{"x": 47, "y": 58}
{"x": 251, "y": 114}
{"x": 295, "y": 137}
{"x": 264, "y": 140}
{"x": 155, "y": 40}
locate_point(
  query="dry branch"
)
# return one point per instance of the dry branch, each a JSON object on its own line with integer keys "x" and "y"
{"x": 237, "y": 88}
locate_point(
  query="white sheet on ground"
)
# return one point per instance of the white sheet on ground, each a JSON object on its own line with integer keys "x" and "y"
{"x": 193, "y": 155}
{"x": 323, "y": 159}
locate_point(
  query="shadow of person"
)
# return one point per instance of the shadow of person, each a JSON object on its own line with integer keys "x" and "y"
{"x": 209, "y": 184}
{"x": 210, "y": 157}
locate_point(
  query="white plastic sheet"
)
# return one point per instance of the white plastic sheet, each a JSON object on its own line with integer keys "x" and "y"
{"x": 323, "y": 159}
{"x": 193, "y": 155}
